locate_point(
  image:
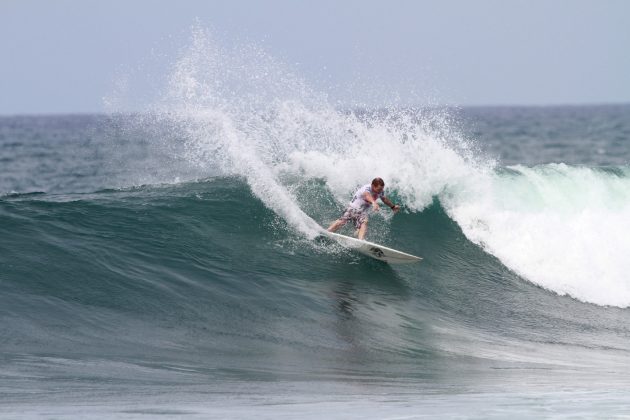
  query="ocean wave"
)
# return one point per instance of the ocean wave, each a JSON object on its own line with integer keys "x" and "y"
{"x": 561, "y": 227}
{"x": 205, "y": 270}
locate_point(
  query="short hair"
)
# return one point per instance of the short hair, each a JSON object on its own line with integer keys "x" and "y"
{"x": 378, "y": 182}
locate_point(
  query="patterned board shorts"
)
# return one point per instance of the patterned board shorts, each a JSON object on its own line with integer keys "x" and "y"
{"x": 357, "y": 217}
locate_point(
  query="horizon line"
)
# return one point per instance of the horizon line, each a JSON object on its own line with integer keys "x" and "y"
{"x": 454, "y": 106}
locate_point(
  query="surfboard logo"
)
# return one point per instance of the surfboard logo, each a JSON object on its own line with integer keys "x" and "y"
{"x": 377, "y": 252}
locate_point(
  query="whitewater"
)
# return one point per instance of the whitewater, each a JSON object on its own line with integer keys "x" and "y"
{"x": 240, "y": 112}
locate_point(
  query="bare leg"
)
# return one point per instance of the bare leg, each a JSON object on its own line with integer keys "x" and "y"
{"x": 336, "y": 225}
{"x": 363, "y": 230}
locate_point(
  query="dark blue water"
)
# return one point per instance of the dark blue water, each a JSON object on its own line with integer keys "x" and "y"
{"x": 575, "y": 135}
{"x": 168, "y": 264}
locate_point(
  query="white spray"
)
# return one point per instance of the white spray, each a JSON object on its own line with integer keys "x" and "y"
{"x": 240, "y": 112}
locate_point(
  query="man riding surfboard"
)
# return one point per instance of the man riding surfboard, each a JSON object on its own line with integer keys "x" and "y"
{"x": 357, "y": 210}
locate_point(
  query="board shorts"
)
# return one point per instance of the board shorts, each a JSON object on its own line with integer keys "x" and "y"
{"x": 357, "y": 217}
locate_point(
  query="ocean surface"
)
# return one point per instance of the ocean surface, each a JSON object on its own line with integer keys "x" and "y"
{"x": 167, "y": 262}
{"x": 170, "y": 266}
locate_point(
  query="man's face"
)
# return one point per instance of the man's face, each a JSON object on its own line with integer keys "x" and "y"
{"x": 377, "y": 188}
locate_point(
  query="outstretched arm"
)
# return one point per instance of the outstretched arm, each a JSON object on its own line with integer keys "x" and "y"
{"x": 391, "y": 205}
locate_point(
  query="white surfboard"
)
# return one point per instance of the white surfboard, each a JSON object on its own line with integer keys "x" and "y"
{"x": 373, "y": 250}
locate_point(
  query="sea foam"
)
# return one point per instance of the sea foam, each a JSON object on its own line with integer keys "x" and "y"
{"x": 561, "y": 227}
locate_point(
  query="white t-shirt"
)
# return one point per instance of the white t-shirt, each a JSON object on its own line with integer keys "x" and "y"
{"x": 360, "y": 203}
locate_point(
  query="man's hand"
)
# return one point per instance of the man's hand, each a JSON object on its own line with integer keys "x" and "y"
{"x": 396, "y": 208}
{"x": 375, "y": 206}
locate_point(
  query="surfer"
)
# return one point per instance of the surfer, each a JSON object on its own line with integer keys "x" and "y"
{"x": 357, "y": 210}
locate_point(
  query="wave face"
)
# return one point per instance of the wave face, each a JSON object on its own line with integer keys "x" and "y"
{"x": 181, "y": 243}
{"x": 204, "y": 269}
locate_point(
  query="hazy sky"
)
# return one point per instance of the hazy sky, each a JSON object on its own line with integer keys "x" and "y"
{"x": 64, "y": 56}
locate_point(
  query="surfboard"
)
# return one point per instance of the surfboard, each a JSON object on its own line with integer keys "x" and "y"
{"x": 373, "y": 250}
